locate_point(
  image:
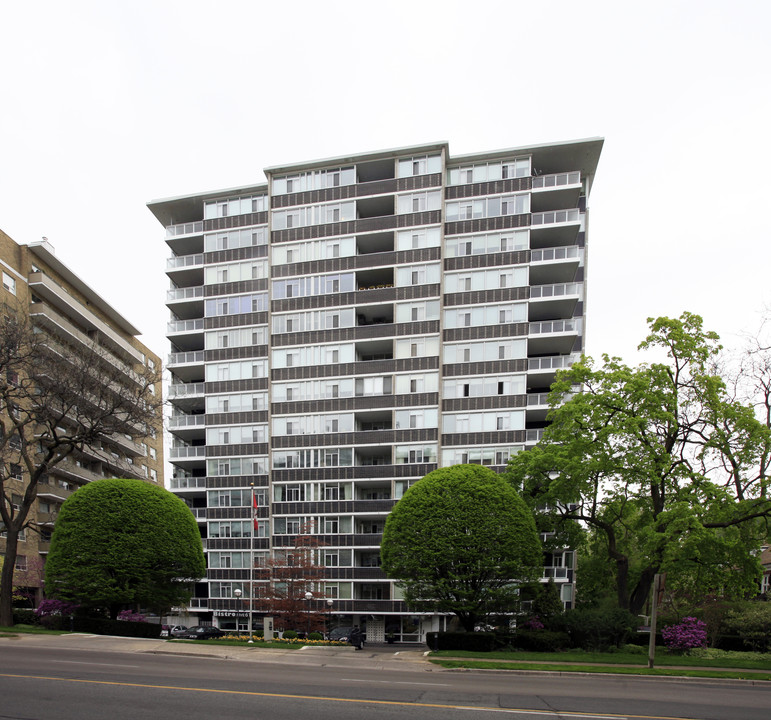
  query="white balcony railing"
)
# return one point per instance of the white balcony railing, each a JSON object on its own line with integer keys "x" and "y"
{"x": 557, "y": 180}
{"x": 550, "y": 327}
{"x": 554, "y": 291}
{"x": 186, "y": 389}
{"x": 187, "y": 483}
{"x": 185, "y": 358}
{"x": 556, "y": 217}
{"x": 184, "y": 261}
{"x": 189, "y": 451}
{"x": 189, "y": 293}
{"x": 558, "y": 573}
{"x": 178, "y": 326}
{"x": 554, "y": 362}
{"x": 570, "y": 252}
{"x": 177, "y": 422}
{"x": 191, "y": 228}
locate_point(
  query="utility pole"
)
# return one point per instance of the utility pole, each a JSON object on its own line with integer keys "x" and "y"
{"x": 659, "y": 580}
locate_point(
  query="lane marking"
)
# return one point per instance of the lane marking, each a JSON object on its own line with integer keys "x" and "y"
{"x": 357, "y": 701}
{"x": 395, "y": 682}
{"x": 79, "y": 662}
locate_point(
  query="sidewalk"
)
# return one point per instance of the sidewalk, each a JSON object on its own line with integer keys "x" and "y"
{"x": 387, "y": 656}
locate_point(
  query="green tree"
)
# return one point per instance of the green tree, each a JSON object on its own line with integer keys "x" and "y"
{"x": 664, "y": 467}
{"x": 459, "y": 541}
{"x": 121, "y": 543}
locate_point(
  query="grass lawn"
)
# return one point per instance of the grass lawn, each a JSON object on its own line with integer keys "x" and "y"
{"x": 34, "y": 629}
{"x": 712, "y": 664}
{"x": 745, "y": 660}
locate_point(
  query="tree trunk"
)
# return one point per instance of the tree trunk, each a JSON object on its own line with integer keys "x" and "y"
{"x": 6, "y": 579}
{"x": 641, "y": 592}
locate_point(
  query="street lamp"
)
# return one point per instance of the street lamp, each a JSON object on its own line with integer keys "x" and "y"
{"x": 308, "y": 598}
{"x": 237, "y": 592}
{"x": 330, "y": 602}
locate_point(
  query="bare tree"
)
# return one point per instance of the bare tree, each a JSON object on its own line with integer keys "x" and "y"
{"x": 57, "y": 399}
{"x": 290, "y": 575}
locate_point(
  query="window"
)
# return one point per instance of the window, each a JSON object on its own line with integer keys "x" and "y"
{"x": 21, "y": 563}
{"x": 9, "y": 283}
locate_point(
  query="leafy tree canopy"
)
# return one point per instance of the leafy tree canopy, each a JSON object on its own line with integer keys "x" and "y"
{"x": 666, "y": 469}
{"x": 459, "y": 540}
{"x": 124, "y": 542}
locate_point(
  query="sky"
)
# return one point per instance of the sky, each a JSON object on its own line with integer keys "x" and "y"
{"x": 106, "y": 106}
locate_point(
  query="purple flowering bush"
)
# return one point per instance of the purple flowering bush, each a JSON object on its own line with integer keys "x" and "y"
{"x": 55, "y": 607}
{"x": 688, "y": 634}
{"x": 130, "y": 616}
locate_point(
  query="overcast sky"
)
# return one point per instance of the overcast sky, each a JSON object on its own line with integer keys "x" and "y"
{"x": 108, "y": 105}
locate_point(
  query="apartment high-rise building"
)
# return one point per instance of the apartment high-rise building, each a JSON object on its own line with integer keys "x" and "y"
{"x": 73, "y": 320}
{"x": 349, "y": 326}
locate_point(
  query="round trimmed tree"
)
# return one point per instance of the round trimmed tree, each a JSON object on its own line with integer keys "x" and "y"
{"x": 121, "y": 543}
{"x": 461, "y": 540}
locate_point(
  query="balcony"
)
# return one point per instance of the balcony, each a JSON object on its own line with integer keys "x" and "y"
{"x": 553, "y": 337}
{"x": 558, "y": 300}
{"x": 555, "y": 265}
{"x": 185, "y": 270}
{"x": 187, "y": 335}
{"x": 187, "y": 397}
{"x": 559, "y": 190}
{"x": 186, "y": 366}
{"x": 187, "y": 454}
{"x": 541, "y": 371}
{"x": 187, "y": 483}
{"x": 185, "y": 238}
{"x": 190, "y": 228}
{"x": 186, "y": 302}
{"x": 554, "y": 227}
{"x": 533, "y": 437}
{"x": 188, "y": 427}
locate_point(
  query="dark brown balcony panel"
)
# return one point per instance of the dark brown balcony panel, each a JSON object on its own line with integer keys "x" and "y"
{"x": 365, "y": 437}
{"x": 470, "y": 262}
{"x": 342, "y": 192}
{"x": 237, "y": 418}
{"x": 241, "y": 574}
{"x": 489, "y": 402}
{"x": 236, "y": 543}
{"x": 239, "y": 320}
{"x": 365, "y": 539}
{"x": 354, "y": 573}
{"x": 236, "y": 481}
{"x": 309, "y": 508}
{"x": 419, "y": 182}
{"x": 491, "y": 367}
{"x": 485, "y": 297}
{"x": 483, "y": 438}
{"x": 389, "y": 607}
{"x": 235, "y": 288}
{"x": 235, "y": 221}
{"x": 416, "y": 292}
{"x": 244, "y": 352}
{"x": 494, "y": 187}
{"x": 368, "y": 367}
{"x": 236, "y": 449}
{"x": 486, "y": 332}
{"x": 234, "y": 513}
{"x": 228, "y": 386}
{"x": 290, "y": 541}
{"x": 367, "y": 402}
{"x": 502, "y": 222}
{"x": 359, "y": 332}
{"x": 353, "y": 472}
{"x": 233, "y": 254}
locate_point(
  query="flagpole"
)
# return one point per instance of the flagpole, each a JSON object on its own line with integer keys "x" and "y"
{"x": 251, "y": 564}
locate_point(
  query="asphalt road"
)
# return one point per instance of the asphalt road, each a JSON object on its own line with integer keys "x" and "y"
{"x": 92, "y": 678}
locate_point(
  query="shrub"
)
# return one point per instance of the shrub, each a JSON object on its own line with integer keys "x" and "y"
{"x": 103, "y": 626}
{"x": 478, "y": 641}
{"x": 130, "y": 616}
{"x": 597, "y": 629}
{"x": 753, "y": 625}
{"x": 541, "y": 640}
{"x": 24, "y": 616}
{"x": 290, "y": 635}
{"x": 688, "y": 634}
{"x": 315, "y": 636}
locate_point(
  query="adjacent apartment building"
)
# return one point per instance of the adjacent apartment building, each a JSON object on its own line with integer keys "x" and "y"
{"x": 351, "y": 324}
{"x": 61, "y": 306}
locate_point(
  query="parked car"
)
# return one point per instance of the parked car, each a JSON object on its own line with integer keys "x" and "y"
{"x": 201, "y": 632}
{"x": 340, "y": 634}
{"x": 178, "y": 630}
